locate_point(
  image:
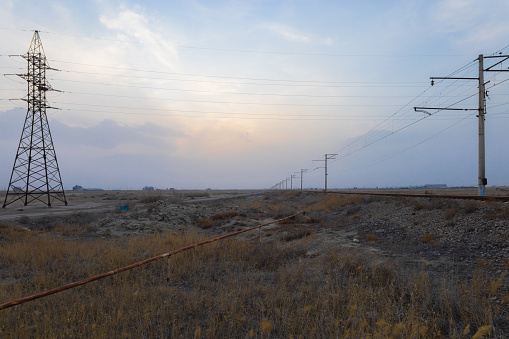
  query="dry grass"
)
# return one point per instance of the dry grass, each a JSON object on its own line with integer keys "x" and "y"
{"x": 470, "y": 207}
{"x": 428, "y": 238}
{"x": 204, "y": 223}
{"x": 418, "y": 207}
{"x": 234, "y": 289}
{"x": 331, "y": 202}
{"x": 450, "y": 212}
{"x": 505, "y": 211}
{"x": 225, "y": 215}
{"x": 371, "y": 237}
{"x": 150, "y": 199}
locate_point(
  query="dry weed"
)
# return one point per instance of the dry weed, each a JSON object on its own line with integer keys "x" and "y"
{"x": 331, "y": 202}
{"x": 232, "y": 289}
{"x": 418, "y": 207}
{"x": 449, "y": 213}
{"x": 428, "y": 238}
{"x": 470, "y": 207}
{"x": 204, "y": 223}
{"x": 371, "y": 237}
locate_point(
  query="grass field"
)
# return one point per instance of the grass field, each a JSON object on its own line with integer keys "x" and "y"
{"x": 237, "y": 288}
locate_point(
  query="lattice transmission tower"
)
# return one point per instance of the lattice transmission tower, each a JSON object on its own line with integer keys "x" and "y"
{"x": 35, "y": 174}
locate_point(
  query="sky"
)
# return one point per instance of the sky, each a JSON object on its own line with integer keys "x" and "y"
{"x": 246, "y": 94}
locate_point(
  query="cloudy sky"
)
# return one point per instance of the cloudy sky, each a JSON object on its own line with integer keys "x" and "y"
{"x": 244, "y": 94}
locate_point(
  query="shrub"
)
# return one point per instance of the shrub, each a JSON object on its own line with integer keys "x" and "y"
{"x": 150, "y": 199}
{"x": 418, "y": 207}
{"x": 225, "y": 215}
{"x": 371, "y": 237}
{"x": 297, "y": 235}
{"x": 428, "y": 237}
{"x": 505, "y": 212}
{"x": 449, "y": 213}
{"x": 470, "y": 207}
{"x": 330, "y": 202}
{"x": 204, "y": 223}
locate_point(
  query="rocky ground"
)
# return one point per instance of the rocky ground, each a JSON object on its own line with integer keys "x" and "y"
{"x": 444, "y": 235}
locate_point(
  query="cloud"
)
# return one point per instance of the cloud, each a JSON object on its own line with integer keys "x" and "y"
{"x": 109, "y": 135}
{"x": 132, "y": 24}
{"x": 287, "y": 32}
{"x": 106, "y": 135}
{"x": 470, "y": 23}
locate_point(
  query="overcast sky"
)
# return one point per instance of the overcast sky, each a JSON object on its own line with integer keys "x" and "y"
{"x": 244, "y": 94}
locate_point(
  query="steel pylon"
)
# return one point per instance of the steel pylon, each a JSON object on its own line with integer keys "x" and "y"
{"x": 35, "y": 175}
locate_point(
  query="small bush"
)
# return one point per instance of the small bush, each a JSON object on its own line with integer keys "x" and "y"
{"x": 225, "y": 215}
{"x": 290, "y": 221}
{"x": 24, "y": 220}
{"x": 150, "y": 199}
{"x": 435, "y": 204}
{"x": 353, "y": 210}
{"x": 297, "y": 235}
{"x": 331, "y": 202}
{"x": 204, "y": 223}
{"x": 470, "y": 207}
{"x": 418, "y": 207}
{"x": 428, "y": 237}
{"x": 449, "y": 213}
{"x": 371, "y": 237}
{"x": 505, "y": 212}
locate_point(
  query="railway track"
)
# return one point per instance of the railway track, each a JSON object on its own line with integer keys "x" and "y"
{"x": 430, "y": 196}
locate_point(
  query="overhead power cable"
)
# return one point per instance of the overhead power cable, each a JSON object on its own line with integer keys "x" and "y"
{"x": 233, "y": 102}
{"x": 223, "y": 115}
{"x": 234, "y": 50}
{"x": 202, "y": 91}
{"x": 314, "y": 84}
{"x": 226, "y": 77}
{"x": 410, "y": 147}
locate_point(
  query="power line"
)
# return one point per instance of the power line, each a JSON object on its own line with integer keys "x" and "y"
{"x": 403, "y": 83}
{"x": 232, "y": 102}
{"x": 269, "y": 116}
{"x": 245, "y": 50}
{"x": 235, "y": 78}
{"x": 202, "y": 91}
{"x": 409, "y": 148}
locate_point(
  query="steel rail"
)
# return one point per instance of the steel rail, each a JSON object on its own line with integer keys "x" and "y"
{"x": 129, "y": 267}
{"x": 431, "y": 196}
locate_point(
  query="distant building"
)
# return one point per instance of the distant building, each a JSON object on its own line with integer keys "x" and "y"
{"x": 433, "y": 186}
{"x": 80, "y": 188}
{"x": 148, "y": 188}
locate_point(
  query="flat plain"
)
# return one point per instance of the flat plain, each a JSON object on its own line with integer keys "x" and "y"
{"x": 349, "y": 265}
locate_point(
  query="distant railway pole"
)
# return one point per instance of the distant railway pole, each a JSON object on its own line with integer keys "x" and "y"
{"x": 301, "y": 176}
{"x": 328, "y": 156}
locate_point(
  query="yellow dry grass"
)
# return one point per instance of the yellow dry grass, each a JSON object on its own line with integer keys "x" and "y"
{"x": 233, "y": 288}
{"x": 334, "y": 201}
